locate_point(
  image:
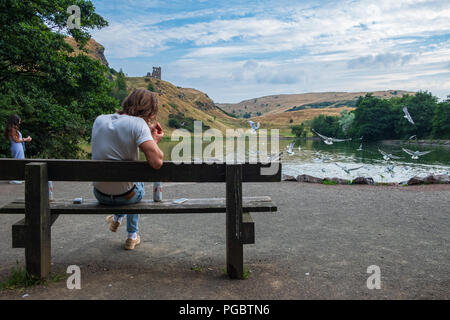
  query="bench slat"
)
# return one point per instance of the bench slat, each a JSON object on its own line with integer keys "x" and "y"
{"x": 94, "y": 170}
{"x": 210, "y": 205}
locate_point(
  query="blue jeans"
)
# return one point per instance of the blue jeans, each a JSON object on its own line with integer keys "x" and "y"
{"x": 132, "y": 219}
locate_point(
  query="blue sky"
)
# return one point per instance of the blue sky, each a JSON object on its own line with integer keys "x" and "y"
{"x": 236, "y": 50}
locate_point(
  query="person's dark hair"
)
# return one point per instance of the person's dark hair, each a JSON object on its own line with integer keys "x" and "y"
{"x": 140, "y": 103}
{"x": 12, "y": 126}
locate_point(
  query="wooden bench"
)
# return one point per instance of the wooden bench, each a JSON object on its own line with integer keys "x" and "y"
{"x": 34, "y": 232}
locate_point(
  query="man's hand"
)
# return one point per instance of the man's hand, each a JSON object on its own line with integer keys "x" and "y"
{"x": 157, "y": 132}
{"x": 158, "y": 128}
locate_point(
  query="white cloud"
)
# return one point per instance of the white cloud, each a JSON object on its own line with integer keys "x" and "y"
{"x": 383, "y": 60}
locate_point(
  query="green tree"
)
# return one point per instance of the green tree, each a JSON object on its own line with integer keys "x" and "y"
{"x": 174, "y": 123}
{"x": 119, "y": 88}
{"x": 441, "y": 120}
{"x": 57, "y": 94}
{"x": 421, "y": 107}
{"x": 374, "y": 119}
{"x": 299, "y": 130}
{"x": 327, "y": 125}
{"x": 346, "y": 120}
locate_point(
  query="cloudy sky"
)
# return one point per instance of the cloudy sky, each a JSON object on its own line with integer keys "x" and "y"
{"x": 235, "y": 50}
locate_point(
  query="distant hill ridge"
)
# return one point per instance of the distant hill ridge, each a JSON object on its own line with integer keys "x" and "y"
{"x": 292, "y": 102}
{"x": 284, "y": 110}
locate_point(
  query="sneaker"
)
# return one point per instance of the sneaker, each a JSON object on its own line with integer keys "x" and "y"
{"x": 113, "y": 225}
{"x": 130, "y": 243}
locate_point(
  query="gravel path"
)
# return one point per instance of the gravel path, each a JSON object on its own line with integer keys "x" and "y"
{"x": 317, "y": 246}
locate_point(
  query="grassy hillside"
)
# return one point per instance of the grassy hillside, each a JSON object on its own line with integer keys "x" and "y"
{"x": 283, "y": 111}
{"x": 281, "y": 103}
{"x": 185, "y": 104}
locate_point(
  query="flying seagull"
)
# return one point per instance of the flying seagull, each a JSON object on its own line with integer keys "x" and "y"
{"x": 360, "y": 148}
{"x": 407, "y": 115}
{"x": 412, "y": 137}
{"x": 387, "y": 156}
{"x": 254, "y": 126}
{"x": 348, "y": 170}
{"x": 290, "y": 149}
{"x": 329, "y": 140}
{"x": 415, "y": 154}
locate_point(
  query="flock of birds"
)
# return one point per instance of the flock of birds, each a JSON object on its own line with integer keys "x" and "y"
{"x": 331, "y": 140}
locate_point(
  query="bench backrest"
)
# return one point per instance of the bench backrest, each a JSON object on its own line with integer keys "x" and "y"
{"x": 90, "y": 170}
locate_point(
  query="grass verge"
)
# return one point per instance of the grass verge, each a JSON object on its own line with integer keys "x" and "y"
{"x": 246, "y": 273}
{"x": 19, "y": 278}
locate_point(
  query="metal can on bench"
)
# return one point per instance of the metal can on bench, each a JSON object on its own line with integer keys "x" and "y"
{"x": 50, "y": 191}
{"x": 157, "y": 191}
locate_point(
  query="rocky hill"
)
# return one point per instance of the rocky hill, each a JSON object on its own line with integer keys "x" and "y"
{"x": 94, "y": 49}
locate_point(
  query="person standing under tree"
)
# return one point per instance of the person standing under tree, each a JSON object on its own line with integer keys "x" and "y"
{"x": 119, "y": 136}
{"x": 13, "y": 134}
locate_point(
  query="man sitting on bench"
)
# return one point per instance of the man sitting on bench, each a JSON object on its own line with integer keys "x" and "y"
{"x": 118, "y": 137}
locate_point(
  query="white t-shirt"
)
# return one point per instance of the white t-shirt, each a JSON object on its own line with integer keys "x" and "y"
{"x": 117, "y": 137}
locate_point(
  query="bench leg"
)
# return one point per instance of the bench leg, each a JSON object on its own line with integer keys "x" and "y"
{"x": 248, "y": 229}
{"x": 235, "y": 250}
{"x": 37, "y": 220}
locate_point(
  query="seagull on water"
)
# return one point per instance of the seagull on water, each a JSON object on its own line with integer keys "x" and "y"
{"x": 415, "y": 154}
{"x": 407, "y": 116}
{"x": 387, "y": 156}
{"x": 329, "y": 140}
{"x": 254, "y": 126}
{"x": 346, "y": 169}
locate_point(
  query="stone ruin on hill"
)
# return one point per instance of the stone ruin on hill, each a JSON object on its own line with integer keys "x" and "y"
{"x": 155, "y": 74}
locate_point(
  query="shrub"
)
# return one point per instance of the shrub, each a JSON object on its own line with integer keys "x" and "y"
{"x": 299, "y": 130}
{"x": 174, "y": 123}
